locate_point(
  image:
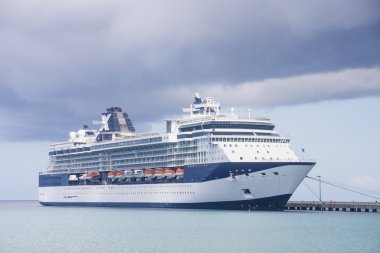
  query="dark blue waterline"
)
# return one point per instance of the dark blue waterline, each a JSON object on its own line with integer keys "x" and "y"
{"x": 276, "y": 203}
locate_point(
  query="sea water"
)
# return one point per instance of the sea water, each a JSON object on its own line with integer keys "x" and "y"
{"x": 26, "y": 226}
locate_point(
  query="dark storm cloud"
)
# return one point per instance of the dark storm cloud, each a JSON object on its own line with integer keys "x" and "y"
{"x": 62, "y": 63}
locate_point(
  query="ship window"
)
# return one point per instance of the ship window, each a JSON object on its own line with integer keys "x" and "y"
{"x": 241, "y": 158}
{"x": 263, "y": 174}
{"x": 276, "y": 173}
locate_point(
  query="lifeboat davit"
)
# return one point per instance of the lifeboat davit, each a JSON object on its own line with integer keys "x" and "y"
{"x": 112, "y": 174}
{"x": 159, "y": 174}
{"x": 128, "y": 173}
{"x": 149, "y": 173}
{"x": 119, "y": 175}
{"x": 169, "y": 173}
{"x": 139, "y": 173}
{"x": 179, "y": 172}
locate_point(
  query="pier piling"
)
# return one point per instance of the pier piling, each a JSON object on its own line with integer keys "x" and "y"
{"x": 365, "y": 207}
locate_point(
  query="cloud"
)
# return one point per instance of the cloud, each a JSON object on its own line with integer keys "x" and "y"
{"x": 35, "y": 120}
{"x": 63, "y": 62}
{"x": 311, "y": 88}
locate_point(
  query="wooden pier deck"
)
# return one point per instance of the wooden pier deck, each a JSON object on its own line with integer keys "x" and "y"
{"x": 367, "y": 207}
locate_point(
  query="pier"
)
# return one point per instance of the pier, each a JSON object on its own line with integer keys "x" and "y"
{"x": 365, "y": 207}
{"x": 320, "y": 205}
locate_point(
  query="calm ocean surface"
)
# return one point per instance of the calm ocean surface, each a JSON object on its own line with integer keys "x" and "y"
{"x": 25, "y": 226}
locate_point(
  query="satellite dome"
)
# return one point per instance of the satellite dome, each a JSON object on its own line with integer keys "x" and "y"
{"x": 73, "y": 135}
{"x": 81, "y": 133}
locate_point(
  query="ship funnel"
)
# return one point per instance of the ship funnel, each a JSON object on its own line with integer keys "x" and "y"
{"x": 114, "y": 120}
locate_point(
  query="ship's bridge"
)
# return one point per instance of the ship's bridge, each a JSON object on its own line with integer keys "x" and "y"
{"x": 205, "y": 116}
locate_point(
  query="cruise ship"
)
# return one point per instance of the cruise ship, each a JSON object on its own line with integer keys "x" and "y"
{"x": 204, "y": 160}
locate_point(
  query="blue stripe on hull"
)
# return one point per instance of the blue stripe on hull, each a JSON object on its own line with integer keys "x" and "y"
{"x": 193, "y": 173}
{"x": 207, "y": 172}
{"x": 275, "y": 203}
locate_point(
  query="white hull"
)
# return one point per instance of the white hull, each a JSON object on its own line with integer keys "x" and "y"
{"x": 220, "y": 190}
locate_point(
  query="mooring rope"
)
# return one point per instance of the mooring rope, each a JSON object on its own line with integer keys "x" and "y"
{"x": 344, "y": 188}
{"x": 308, "y": 187}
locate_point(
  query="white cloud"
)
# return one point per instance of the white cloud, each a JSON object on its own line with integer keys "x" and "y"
{"x": 344, "y": 84}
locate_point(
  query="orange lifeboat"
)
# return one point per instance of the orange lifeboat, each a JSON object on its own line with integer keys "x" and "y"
{"x": 111, "y": 174}
{"x": 169, "y": 173}
{"x": 179, "y": 172}
{"x": 91, "y": 176}
{"x": 119, "y": 175}
{"x": 158, "y": 174}
{"x": 149, "y": 173}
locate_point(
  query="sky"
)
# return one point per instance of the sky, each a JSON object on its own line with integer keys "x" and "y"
{"x": 313, "y": 67}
